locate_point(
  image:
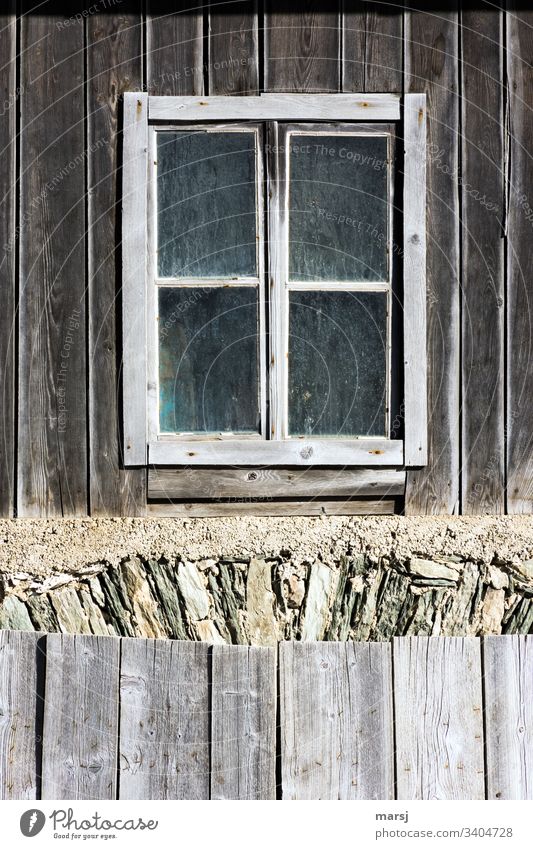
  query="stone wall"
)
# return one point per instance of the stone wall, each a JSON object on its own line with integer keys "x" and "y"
{"x": 263, "y": 580}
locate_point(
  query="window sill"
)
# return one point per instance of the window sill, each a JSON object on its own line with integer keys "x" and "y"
{"x": 290, "y": 452}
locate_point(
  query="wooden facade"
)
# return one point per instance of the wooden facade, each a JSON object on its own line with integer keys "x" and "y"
{"x": 64, "y": 71}
{"x": 418, "y": 718}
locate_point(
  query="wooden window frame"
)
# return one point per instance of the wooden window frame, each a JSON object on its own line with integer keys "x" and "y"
{"x": 257, "y": 282}
{"x": 142, "y": 446}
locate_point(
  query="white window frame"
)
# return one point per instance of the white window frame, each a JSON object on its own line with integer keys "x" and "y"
{"x": 142, "y": 443}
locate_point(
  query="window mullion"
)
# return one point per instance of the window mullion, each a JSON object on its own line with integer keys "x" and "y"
{"x": 277, "y": 274}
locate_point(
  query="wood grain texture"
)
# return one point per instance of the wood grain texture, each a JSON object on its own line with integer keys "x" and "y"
{"x": 508, "y": 692}
{"x": 135, "y": 279}
{"x": 80, "y": 735}
{"x": 372, "y": 47}
{"x": 372, "y": 451}
{"x": 302, "y": 47}
{"x": 174, "y": 49}
{"x": 8, "y": 251}
{"x": 414, "y": 281}
{"x": 438, "y": 718}
{"x": 164, "y": 720}
{"x": 243, "y": 723}
{"x": 276, "y": 107}
{"x": 233, "y": 48}
{"x": 52, "y": 427}
{"x": 199, "y": 509}
{"x": 483, "y": 379}
{"x": 336, "y": 721}
{"x": 272, "y": 483}
{"x": 114, "y": 62}
{"x": 431, "y": 55}
{"x": 21, "y": 660}
{"x": 519, "y": 262}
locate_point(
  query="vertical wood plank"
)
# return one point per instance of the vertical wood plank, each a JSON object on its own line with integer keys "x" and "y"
{"x": 164, "y": 720}
{"x": 174, "y": 44}
{"x": 21, "y": 666}
{"x": 114, "y": 61}
{"x": 336, "y": 721}
{"x": 52, "y": 432}
{"x": 508, "y": 680}
{"x": 414, "y": 281}
{"x": 233, "y": 48}
{"x": 134, "y": 278}
{"x": 482, "y": 285}
{"x": 80, "y": 736}
{"x": 520, "y": 261}
{"x": 432, "y": 67}
{"x": 353, "y": 22}
{"x": 243, "y": 723}
{"x": 302, "y": 47}
{"x": 372, "y": 47}
{"x": 8, "y": 188}
{"x": 438, "y": 718}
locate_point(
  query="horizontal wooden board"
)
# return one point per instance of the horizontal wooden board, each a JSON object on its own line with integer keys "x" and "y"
{"x": 289, "y": 452}
{"x": 273, "y": 508}
{"x": 166, "y": 482}
{"x": 277, "y": 107}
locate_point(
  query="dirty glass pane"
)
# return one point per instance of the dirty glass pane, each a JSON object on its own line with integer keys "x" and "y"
{"x": 206, "y": 204}
{"x": 337, "y": 363}
{"x": 338, "y": 208}
{"x": 208, "y": 360}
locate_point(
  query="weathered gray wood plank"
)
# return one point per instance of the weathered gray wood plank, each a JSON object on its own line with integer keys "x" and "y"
{"x": 114, "y": 62}
{"x": 302, "y": 47}
{"x": 174, "y": 49}
{"x": 482, "y": 285}
{"x": 200, "y": 509}
{"x": 80, "y": 735}
{"x": 21, "y": 664}
{"x": 167, "y": 482}
{"x": 414, "y": 281}
{"x": 372, "y": 47}
{"x": 243, "y": 723}
{"x": 336, "y": 721}
{"x": 508, "y": 691}
{"x": 233, "y": 48}
{"x": 432, "y": 67}
{"x": 8, "y": 189}
{"x": 519, "y": 261}
{"x": 164, "y": 720}
{"x": 134, "y": 278}
{"x": 438, "y": 718}
{"x": 276, "y": 107}
{"x": 372, "y": 451}
{"x": 52, "y": 415}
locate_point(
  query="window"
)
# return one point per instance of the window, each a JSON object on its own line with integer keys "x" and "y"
{"x": 263, "y": 273}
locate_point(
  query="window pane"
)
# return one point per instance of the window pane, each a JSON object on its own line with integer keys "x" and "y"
{"x": 206, "y": 201}
{"x": 208, "y": 360}
{"x": 337, "y": 363}
{"x": 338, "y": 216}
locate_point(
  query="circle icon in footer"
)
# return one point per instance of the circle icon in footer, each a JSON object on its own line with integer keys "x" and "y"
{"x": 32, "y": 822}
